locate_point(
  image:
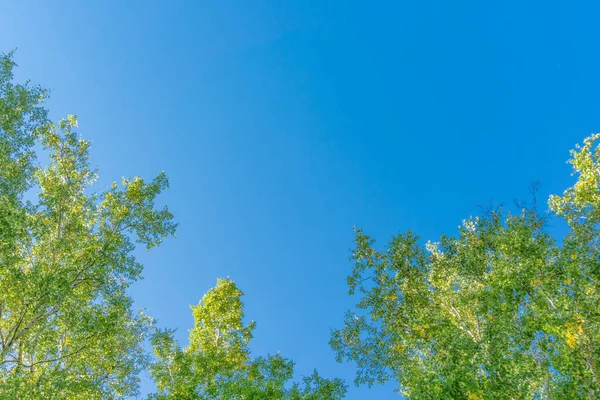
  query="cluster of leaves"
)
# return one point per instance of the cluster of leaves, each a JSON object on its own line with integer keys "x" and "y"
{"x": 216, "y": 364}
{"x": 67, "y": 329}
{"x": 500, "y": 311}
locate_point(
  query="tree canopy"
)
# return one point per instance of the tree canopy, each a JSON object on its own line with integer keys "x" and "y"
{"x": 502, "y": 310}
{"x": 217, "y": 365}
{"x": 67, "y": 329}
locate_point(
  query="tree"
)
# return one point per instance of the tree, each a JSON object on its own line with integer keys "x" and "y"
{"x": 67, "y": 329}
{"x": 501, "y": 311}
{"x": 216, "y": 364}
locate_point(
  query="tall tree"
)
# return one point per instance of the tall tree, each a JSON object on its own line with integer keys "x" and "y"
{"x": 217, "y": 365}
{"x": 67, "y": 329}
{"x": 500, "y": 311}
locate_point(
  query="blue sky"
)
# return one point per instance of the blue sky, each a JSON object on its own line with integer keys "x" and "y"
{"x": 282, "y": 125}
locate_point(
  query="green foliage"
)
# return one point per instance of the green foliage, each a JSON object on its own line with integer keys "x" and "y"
{"x": 500, "y": 311}
{"x": 217, "y": 364}
{"x": 67, "y": 329}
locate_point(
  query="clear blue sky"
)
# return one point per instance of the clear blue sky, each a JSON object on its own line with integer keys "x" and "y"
{"x": 283, "y": 124}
